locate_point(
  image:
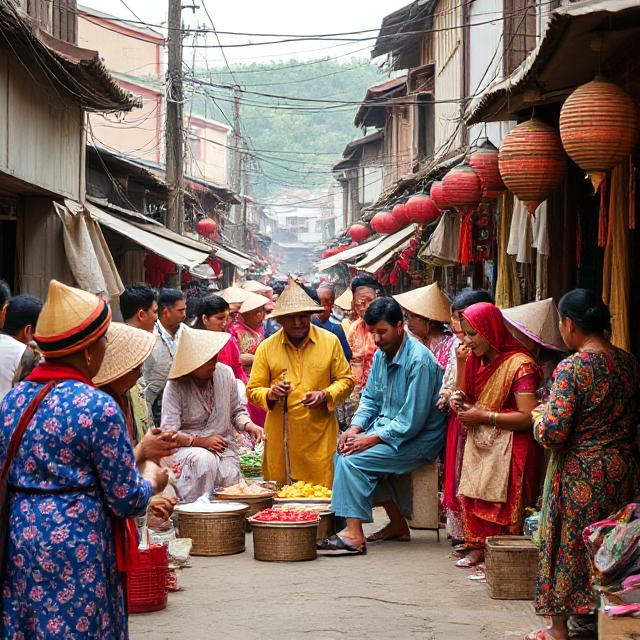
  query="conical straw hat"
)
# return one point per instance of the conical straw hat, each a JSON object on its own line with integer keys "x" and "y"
{"x": 195, "y": 348}
{"x": 234, "y": 295}
{"x": 427, "y": 302}
{"x": 255, "y": 287}
{"x": 345, "y": 300}
{"x": 71, "y": 319}
{"x": 127, "y": 348}
{"x": 294, "y": 299}
{"x": 539, "y": 321}
{"x": 252, "y": 302}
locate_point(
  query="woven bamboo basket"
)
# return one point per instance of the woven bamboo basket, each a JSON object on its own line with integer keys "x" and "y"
{"x": 284, "y": 542}
{"x": 511, "y": 567}
{"x": 256, "y": 503}
{"x": 214, "y": 534}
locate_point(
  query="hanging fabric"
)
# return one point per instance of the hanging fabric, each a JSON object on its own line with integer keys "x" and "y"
{"x": 616, "y": 282}
{"x": 506, "y": 283}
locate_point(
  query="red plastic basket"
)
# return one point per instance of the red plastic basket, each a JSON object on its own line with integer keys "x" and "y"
{"x": 147, "y": 580}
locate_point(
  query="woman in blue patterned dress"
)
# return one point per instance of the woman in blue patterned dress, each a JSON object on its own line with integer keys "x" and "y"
{"x": 71, "y": 477}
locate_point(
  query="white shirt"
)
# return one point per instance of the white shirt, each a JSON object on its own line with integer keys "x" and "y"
{"x": 11, "y": 351}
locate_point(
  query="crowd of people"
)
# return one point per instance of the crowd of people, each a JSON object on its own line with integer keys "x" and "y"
{"x": 104, "y": 421}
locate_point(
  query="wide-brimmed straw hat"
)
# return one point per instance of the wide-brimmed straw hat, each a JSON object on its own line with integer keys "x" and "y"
{"x": 255, "y": 287}
{"x": 70, "y": 320}
{"x": 427, "y": 302}
{"x": 234, "y": 295}
{"x": 345, "y": 300}
{"x": 195, "y": 348}
{"x": 253, "y": 301}
{"x": 538, "y": 321}
{"x": 294, "y": 299}
{"x": 127, "y": 348}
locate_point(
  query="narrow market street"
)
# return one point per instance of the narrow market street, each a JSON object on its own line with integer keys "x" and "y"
{"x": 397, "y": 591}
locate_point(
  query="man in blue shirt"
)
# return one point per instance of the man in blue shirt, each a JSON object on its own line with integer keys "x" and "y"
{"x": 326, "y": 297}
{"x": 396, "y": 429}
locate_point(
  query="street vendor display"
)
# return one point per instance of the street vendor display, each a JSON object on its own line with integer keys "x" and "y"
{"x": 285, "y": 534}
{"x": 216, "y": 528}
{"x": 317, "y": 379}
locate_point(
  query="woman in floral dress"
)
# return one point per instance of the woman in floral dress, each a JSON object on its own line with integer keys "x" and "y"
{"x": 589, "y": 424}
{"x": 72, "y": 477}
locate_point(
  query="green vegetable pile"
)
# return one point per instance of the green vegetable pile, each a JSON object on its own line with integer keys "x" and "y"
{"x": 250, "y": 462}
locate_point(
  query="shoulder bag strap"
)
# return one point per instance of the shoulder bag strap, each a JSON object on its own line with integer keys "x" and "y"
{"x": 16, "y": 436}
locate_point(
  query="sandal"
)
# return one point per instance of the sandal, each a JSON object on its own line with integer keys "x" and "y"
{"x": 479, "y": 573}
{"x": 339, "y": 547}
{"x": 378, "y": 536}
{"x": 541, "y": 634}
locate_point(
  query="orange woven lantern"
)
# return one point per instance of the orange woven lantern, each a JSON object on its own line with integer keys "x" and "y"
{"x": 400, "y": 213}
{"x": 598, "y": 127}
{"x": 422, "y": 209}
{"x": 461, "y": 187}
{"x": 206, "y": 227}
{"x": 532, "y": 162}
{"x": 485, "y": 162}
{"x": 384, "y": 222}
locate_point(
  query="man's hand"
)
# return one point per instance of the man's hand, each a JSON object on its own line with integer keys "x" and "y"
{"x": 358, "y": 443}
{"x": 156, "y": 444}
{"x": 215, "y": 444}
{"x": 314, "y": 398}
{"x": 348, "y": 434}
{"x": 255, "y": 431}
{"x": 278, "y": 391}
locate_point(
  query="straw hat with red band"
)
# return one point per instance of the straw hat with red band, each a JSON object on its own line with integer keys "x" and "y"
{"x": 427, "y": 302}
{"x": 196, "y": 347}
{"x": 71, "y": 320}
{"x": 127, "y": 348}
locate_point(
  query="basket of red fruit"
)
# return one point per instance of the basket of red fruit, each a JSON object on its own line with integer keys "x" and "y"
{"x": 284, "y": 535}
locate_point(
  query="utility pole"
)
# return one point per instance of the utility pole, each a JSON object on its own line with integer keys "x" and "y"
{"x": 174, "y": 138}
{"x": 245, "y": 205}
{"x": 236, "y": 159}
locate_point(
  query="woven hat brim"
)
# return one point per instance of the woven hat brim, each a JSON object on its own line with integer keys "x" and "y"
{"x": 234, "y": 295}
{"x": 285, "y": 312}
{"x": 255, "y": 288}
{"x": 538, "y": 321}
{"x": 427, "y": 302}
{"x": 253, "y": 301}
{"x": 127, "y": 348}
{"x": 195, "y": 348}
{"x": 345, "y": 300}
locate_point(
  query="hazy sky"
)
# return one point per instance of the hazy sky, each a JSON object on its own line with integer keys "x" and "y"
{"x": 260, "y": 16}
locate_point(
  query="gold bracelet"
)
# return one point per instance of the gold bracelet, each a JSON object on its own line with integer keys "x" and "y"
{"x": 193, "y": 439}
{"x": 493, "y": 418}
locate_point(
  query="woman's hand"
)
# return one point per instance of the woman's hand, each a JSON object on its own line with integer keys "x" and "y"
{"x": 161, "y": 506}
{"x": 457, "y": 401}
{"x": 157, "y": 476}
{"x": 462, "y": 353}
{"x": 215, "y": 444}
{"x": 256, "y": 432}
{"x": 474, "y": 417}
{"x": 349, "y": 433}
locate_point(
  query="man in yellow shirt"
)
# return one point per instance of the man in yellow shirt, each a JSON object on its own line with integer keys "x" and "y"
{"x": 306, "y": 366}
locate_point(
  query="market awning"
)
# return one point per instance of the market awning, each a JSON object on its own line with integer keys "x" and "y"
{"x": 348, "y": 254}
{"x": 232, "y": 257}
{"x": 588, "y": 34}
{"x": 158, "y": 240}
{"x": 377, "y": 257}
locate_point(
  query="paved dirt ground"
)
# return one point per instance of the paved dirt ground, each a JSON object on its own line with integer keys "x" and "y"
{"x": 397, "y": 591}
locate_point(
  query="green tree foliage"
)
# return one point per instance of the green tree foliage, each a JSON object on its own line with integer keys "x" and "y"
{"x": 290, "y": 146}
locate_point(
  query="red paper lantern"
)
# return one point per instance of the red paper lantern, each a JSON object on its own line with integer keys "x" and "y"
{"x": 532, "y": 162}
{"x": 598, "y": 127}
{"x": 485, "y": 162}
{"x": 462, "y": 188}
{"x": 401, "y": 214}
{"x": 359, "y": 232}
{"x": 384, "y": 222}
{"x": 206, "y": 227}
{"x": 422, "y": 209}
{"x": 438, "y": 196}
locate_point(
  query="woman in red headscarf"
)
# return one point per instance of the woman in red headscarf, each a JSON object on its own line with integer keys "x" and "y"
{"x": 502, "y": 463}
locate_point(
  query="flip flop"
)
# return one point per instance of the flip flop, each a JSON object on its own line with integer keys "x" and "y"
{"x": 397, "y": 537}
{"x": 338, "y": 547}
{"x": 478, "y": 575}
{"x": 466, "y": 563}
{"x": 541, "y": 634}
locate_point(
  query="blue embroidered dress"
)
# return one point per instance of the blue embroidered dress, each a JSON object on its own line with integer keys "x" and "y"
{"x": 399, "y": 406}
{"x": 62, "y": 580}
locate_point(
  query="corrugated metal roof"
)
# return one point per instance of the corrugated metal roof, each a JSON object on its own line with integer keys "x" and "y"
{"x": 564, "y": 58}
